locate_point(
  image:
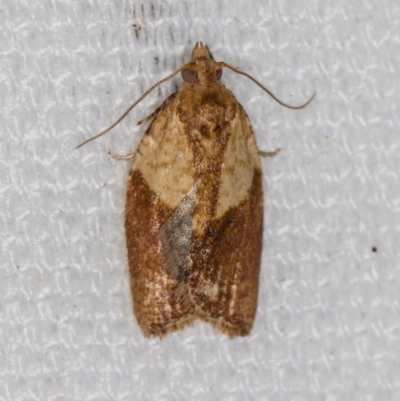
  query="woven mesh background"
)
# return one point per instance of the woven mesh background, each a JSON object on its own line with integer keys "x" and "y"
{"x": 327, "y": 326}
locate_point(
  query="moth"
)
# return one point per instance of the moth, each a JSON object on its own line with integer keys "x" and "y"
{"x": 194, "y": 206}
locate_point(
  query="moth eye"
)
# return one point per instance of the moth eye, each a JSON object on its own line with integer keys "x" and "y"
{"x": 218, "y": 73}
{"x": 189, "y": 75}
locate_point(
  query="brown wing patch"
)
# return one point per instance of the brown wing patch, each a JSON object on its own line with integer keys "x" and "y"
{"x": 225, "y": 263}
{"x": 159, "y": 302}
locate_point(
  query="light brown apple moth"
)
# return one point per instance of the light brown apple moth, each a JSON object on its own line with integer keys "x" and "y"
{"x": 194, "y": 207}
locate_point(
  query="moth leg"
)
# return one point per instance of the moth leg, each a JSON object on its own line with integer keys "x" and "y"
{"x": 269, "y": 154}
{"x": 148, "y": 118}
{"x": 166, "y": 102}
{"x": 123, "y": 157}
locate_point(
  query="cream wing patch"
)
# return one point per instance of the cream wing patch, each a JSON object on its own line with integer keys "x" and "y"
{"x": 240, "y": 161}
{"x": 165, "y": 159}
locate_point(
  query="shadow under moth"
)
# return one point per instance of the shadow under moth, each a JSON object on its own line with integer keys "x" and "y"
{"x": 194, "y": 206}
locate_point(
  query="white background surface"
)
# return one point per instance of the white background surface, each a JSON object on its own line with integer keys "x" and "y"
{"x": 327, "y": 326}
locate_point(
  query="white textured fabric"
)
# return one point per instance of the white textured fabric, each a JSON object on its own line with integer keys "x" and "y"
{"x": 328, "y": 321}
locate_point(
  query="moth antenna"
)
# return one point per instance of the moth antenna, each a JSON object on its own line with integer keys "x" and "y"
{"x": 223, "y": 64}
{"x": 132, "y": 106}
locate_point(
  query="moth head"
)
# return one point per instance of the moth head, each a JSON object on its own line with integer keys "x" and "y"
{"x": 201, "y": 51}
{"x": 201, "y": 74}
{"x": 202, "y": 68}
